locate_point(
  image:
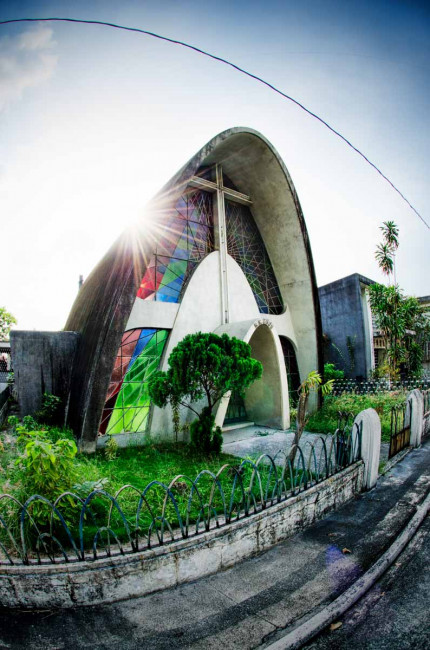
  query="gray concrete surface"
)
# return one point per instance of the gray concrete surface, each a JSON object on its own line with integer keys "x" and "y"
{"x": 42, "y": 363}
{"x": 395, "y": 614}
{"x": 250, "y": 604}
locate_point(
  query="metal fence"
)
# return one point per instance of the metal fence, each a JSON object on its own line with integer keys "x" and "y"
{"x": 377, "y": 386}
{"x": 5, "y": 362}
{"x": 400, "y": 435}
{"x": 74, "y": 529}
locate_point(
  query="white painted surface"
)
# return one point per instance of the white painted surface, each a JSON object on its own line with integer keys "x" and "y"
{"x": 370, "y": 445}
{"x": 416, "y": 401}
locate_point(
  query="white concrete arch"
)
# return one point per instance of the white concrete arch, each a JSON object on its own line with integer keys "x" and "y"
{"x": 266, "y": 400}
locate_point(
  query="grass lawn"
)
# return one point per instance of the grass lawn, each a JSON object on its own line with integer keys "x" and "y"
{"x": 133, "y": 466}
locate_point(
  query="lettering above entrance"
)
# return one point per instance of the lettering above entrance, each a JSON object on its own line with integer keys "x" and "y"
{"x": 263, "y": 321}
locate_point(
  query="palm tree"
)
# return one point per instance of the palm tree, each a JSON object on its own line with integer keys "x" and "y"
{"x": 384, "y": 257}
{"x": 386, "y": 252}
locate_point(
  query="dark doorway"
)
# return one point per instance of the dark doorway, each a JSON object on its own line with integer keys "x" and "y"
{"x": 292, "y": 369}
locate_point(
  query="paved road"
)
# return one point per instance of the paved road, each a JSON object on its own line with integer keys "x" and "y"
{"x": 395, "y": 614}
{"x": 249, "y": 604}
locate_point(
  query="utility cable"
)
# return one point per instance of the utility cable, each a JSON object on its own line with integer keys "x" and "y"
{"x": 236, "y": 67}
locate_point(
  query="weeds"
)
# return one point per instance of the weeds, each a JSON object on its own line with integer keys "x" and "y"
{"x": 325, "y": 420}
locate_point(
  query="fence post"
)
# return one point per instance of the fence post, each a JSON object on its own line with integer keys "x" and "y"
{"x": 416, "y": 402}
{"x": 370, "y": 425}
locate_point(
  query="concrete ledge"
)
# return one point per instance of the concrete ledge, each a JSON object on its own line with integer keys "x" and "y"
{"x": 126, "y": 576}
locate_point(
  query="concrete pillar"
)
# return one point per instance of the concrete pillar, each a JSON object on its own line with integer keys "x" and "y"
{"x": 415, "y": 407}
{"x": 370, "y": 425}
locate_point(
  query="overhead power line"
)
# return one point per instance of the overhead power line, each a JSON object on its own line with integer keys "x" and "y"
{"x": 236, "y": 67}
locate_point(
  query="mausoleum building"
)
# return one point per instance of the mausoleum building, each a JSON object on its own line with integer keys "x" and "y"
{"x": 224, "y": 248}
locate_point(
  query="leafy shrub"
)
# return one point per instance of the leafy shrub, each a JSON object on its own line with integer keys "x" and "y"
{"x": 330, "y": 372}
{"x": 325, "y": 420}
{"x": 51, "y": 410}
{"x": 13, "y": 422}
{"x": 46, "y": 469}
{"x": 29, "y": 423}
{"x": 82, "y": 490}
{"x": 205, "y": 437}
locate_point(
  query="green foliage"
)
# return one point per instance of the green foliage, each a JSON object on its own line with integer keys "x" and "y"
{"x": 6, "y": 322}
{"x": 111, "y": 449}
{"x": 325, "y": 420}
{"x": 404, "y": 326}
{"x": 385, "y": 252}
{"x": 330, "y": 372}
{"x": 204, "y": 366}
{"x": 400, "y": 319}
{"x": 51, "y": 410}
{"x": 47, "y": 469}
{"x": 313, "y": 382}
{"x": 204, "y": 435}
{"x": 13, "y": 422}
{"x": 82, "y": 490}
{"x": 29, "y": 423}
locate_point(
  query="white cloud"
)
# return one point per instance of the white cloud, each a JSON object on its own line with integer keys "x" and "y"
{"x": 25, "y": 61}
{"x": 36, "y": 39}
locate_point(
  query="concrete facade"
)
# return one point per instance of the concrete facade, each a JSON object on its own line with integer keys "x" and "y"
{"x": 43, "y": 363}
{"x": 347, "y": 323}
{"x": 237, "y": 168}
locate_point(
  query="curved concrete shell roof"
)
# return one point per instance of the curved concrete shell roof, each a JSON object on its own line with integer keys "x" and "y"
{"x": 103, "y": 305}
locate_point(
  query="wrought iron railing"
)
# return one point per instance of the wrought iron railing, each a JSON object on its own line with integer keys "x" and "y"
{"x": 400, "y": 435}
{"x": 5, "y": 363}
{"x": 377, "y": 386}
{"x": 75, "y": 529}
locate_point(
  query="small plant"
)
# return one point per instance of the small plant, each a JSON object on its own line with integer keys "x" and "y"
{"x": 331, "y": 372}
{"x": 50, "y": 411}
{"x": 29, "y": 423}
{"x": 111, "y": 448}
{"x": 82, "y": 490}
{"x": 13, "y": 422}
{"x": 10, "y": 378}
{"x": 47, "y": 470}
{"x": 313, "y": 382}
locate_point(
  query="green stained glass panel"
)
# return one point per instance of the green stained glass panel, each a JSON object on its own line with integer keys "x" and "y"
{"x": 132, "y": 405}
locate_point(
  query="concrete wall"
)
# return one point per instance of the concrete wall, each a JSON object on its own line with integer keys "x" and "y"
{"x": 343, "y": 315}
{"x": 126, "y": 576}
{"x": 43, "y": 363}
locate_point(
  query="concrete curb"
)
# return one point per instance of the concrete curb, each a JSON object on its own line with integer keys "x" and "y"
{"x": 305, "y": 631}
{"x": 396, "y": 459}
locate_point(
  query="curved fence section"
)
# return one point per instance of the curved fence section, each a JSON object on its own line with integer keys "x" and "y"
{"x": 73, "y": 529}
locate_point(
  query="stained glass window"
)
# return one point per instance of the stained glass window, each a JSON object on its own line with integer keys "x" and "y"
{"x": 127, "y": 404}
{"x": 292, "y": 369}
{"x": 187, "y": 237}
{"x": 246, "y": 246}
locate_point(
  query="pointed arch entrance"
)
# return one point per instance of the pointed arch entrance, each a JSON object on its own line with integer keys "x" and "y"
{"x": 266, "y": 400}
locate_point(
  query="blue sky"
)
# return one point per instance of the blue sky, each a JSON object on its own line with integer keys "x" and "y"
{"x": 93, "y": 121}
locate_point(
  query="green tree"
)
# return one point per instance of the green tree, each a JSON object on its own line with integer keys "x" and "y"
{"x": 400, "y": 318}
{"x": 6, "y": 322}
{"x": 204, "y": 366}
